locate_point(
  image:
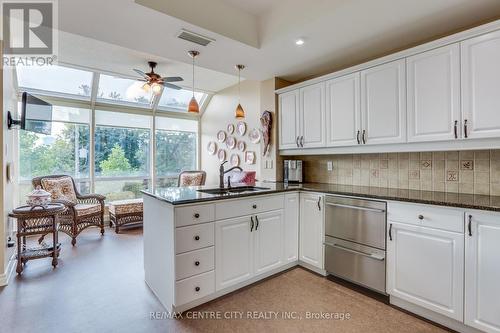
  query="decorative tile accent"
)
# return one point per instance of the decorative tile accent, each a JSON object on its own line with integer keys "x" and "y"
{"x": 467, "y": 165}
{"x": 452, "y": 176}
{"x": 374, "y": 173}
{"x": 384, "y": 164}
{"x": 426, "y": 164}
{"x": 414, "y": 174}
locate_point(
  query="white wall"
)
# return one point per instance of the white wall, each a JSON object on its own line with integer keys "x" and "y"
{"x": 218, "y": 114}
{"x": 9, "y": 103}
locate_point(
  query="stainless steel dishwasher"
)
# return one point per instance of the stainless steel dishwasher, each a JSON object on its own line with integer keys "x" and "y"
{"x": 355, "y": 240}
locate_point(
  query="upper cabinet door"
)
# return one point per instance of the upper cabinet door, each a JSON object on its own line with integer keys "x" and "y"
{"x": 383, "y": 103}
{"x": 434, "y": 95}
{"x": 481, "y": 86}
{"x": 312, "y": 116}
{"x": 289, "y": 120}
{"x": 482, "y": 271}
{"x": 343, "y": 117}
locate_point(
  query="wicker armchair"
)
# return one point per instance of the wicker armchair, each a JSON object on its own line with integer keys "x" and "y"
{"x": 83, "y": 210}
{"x": 192, "y": 178}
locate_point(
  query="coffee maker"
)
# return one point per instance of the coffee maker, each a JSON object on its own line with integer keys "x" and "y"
{"x": 292, "y": 172}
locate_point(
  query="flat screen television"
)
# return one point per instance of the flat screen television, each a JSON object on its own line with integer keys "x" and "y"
{"x": 36, "y": 114}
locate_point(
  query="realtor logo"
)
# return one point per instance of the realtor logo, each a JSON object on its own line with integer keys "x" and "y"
{"x": 29, "y": 32}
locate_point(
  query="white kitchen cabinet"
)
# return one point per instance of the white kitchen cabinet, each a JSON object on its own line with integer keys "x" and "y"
{"x": 343, "y": 114}
{"x": 383, "y": 103}
{"x": 311, "y": 233}
{"x": 425, "y": 267}
{"x": 234, "y": 252}
{"x": 480, "y": 82}
{"x": 312, "y": 116}
{"x": 291, "y": 227}
{"x": 434, "y": 95}
{"x": 482, "y": 271}
{"x": 268, "y": 241}
{"x": 289, "y": 128}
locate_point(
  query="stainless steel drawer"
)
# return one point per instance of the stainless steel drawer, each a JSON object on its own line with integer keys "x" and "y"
{"x": 357, "y": 263}
{"x": 356, "y": 220}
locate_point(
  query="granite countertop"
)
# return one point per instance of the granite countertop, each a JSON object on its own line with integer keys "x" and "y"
{"x": 189, "y": 195}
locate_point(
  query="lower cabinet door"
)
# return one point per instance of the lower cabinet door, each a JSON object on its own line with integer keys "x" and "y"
{"x": 311, "y": 231}
{"x": 482, "y": 271}
{"x": 268, "y": 241}
{"x": 425, "y": 266}
{"x": 233, "y": 251}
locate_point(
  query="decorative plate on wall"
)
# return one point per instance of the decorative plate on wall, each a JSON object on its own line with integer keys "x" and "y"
{"x": 241, "y": 146}
{"x": 230, "y": 128}
{"x": 241, "y": 128}
{"x": 221, "y": 154}
{"x": 254, "y": 135}
{"x": 230, "y": 142}
{"x": 212, "y": 148}
{"x": 250, "y": 157}
{"x": 221, "y": 136}
{"x": 234, "y": 160}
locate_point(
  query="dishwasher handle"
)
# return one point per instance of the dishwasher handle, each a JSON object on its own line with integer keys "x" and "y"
{"x": 366, "y": 254}
{"x": 375, "y": 210}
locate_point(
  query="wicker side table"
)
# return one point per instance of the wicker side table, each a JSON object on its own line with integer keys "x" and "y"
{"x": 36, "y": 221}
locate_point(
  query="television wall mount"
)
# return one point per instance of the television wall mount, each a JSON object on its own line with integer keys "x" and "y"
{"x": 11, "y": 121}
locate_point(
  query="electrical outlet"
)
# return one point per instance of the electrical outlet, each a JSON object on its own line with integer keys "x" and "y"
{"x": 329, "y": 165}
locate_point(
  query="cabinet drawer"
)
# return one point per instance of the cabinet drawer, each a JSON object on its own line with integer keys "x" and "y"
{"x": 195, "y": 287}
{"x": 241, "y": 207}
{"x": 450, "y": 219}
{"x": 194, "y": 237}
{"x": 194, "y": 214}
{"x": 194, "y": 262}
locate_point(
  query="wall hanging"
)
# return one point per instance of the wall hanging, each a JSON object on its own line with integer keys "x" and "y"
{"x": 212, "y": 148}
{"x": 230, "y": 142}
{"x": 266, "y": 122}
{"x": 221, "y": 155}
{"x": 250, "y": 157}
{"x": 241, "y": 146}
{"x": 254, "y": 135}
{"x": 234, "y": 160}
{"x": 221, "y": 136}
{"x": 230, "y": 128}
{"x": 241, "y": 128}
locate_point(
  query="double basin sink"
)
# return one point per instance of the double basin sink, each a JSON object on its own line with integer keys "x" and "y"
{"x": 233, "y": 190}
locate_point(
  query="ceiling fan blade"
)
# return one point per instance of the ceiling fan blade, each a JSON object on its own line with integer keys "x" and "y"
{"x": 171, "y": 86}
{"x": 142, "y": 79}
{"x": 172, "y": 79}
{"x": 141, "y": 73}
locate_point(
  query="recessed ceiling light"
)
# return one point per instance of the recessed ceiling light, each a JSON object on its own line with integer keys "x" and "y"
{"x": 299, "y": 42}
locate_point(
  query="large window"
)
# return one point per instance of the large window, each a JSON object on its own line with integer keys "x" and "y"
{"x": 118, "y": 89}
{"x": 176, "y": 149}
{"x": 178, "y": 99}
{"x": 64, "y": 151}
{"x": 122, "y": 150}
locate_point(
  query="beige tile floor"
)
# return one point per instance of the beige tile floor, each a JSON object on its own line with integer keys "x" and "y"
{"x": 99, "y": 287}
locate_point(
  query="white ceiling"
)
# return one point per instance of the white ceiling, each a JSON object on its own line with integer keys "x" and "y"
{"x": 261, "y": 34}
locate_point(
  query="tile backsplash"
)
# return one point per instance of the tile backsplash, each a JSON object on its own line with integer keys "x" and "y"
{"x": 476, "y": 172}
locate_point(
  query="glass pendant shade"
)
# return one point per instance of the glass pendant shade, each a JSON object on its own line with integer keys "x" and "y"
{"x": 193, "y": 106}
{"x": 239, "y": 113}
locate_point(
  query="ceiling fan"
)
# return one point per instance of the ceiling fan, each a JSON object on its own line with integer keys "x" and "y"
{"x": 154, "y": 81}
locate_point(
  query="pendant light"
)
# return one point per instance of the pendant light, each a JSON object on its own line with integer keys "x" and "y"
{"x": 193, "y": 104}
{"x": 239, "y": 113}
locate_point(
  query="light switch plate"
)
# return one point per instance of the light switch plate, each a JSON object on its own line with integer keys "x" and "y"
{"x": 329, "y": 165}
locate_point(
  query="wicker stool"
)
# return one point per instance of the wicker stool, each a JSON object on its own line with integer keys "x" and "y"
{"x": 125, "y": 212}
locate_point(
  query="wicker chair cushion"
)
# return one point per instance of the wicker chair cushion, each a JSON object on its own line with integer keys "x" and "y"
{"x": 60, "y": 188}
{"x": 191, "y": 179}
{"x": 87, "y": 209}
{"x": 125, "y": 206}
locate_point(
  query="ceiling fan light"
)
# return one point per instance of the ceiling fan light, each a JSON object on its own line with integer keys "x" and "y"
{"x": 193, "y": 106}
{"x": 146, "y": 87}
{"x": 239, "y": 113}
{"x": 156, "y": 88}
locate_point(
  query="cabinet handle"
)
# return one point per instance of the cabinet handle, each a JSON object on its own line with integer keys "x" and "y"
{"x": 319, "y": 203}
{"x": 297, "y": 141}
{"x": 420, "y": 217}
{"x": 364, "y": 137}
{"x": 456, "y": 129}
{"x": 251, "y": 225}
{"x": 197, "y": 289}
{"x": 469, "y": 227}
{"x": 302, "y": 141}
{"x": 257, "y": 223}
{"x": 197, "y": 263}
{"x": 197, "y": 238}
{"x": 254, "y": 206}
{"x": 196, "y": 216}
{"x": 357, "y": 137}
{"x": 390, "y": 232}
{"x": 466, "y": 134}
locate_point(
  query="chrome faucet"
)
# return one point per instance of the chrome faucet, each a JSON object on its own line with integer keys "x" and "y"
{"x": 222, "y": 172}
